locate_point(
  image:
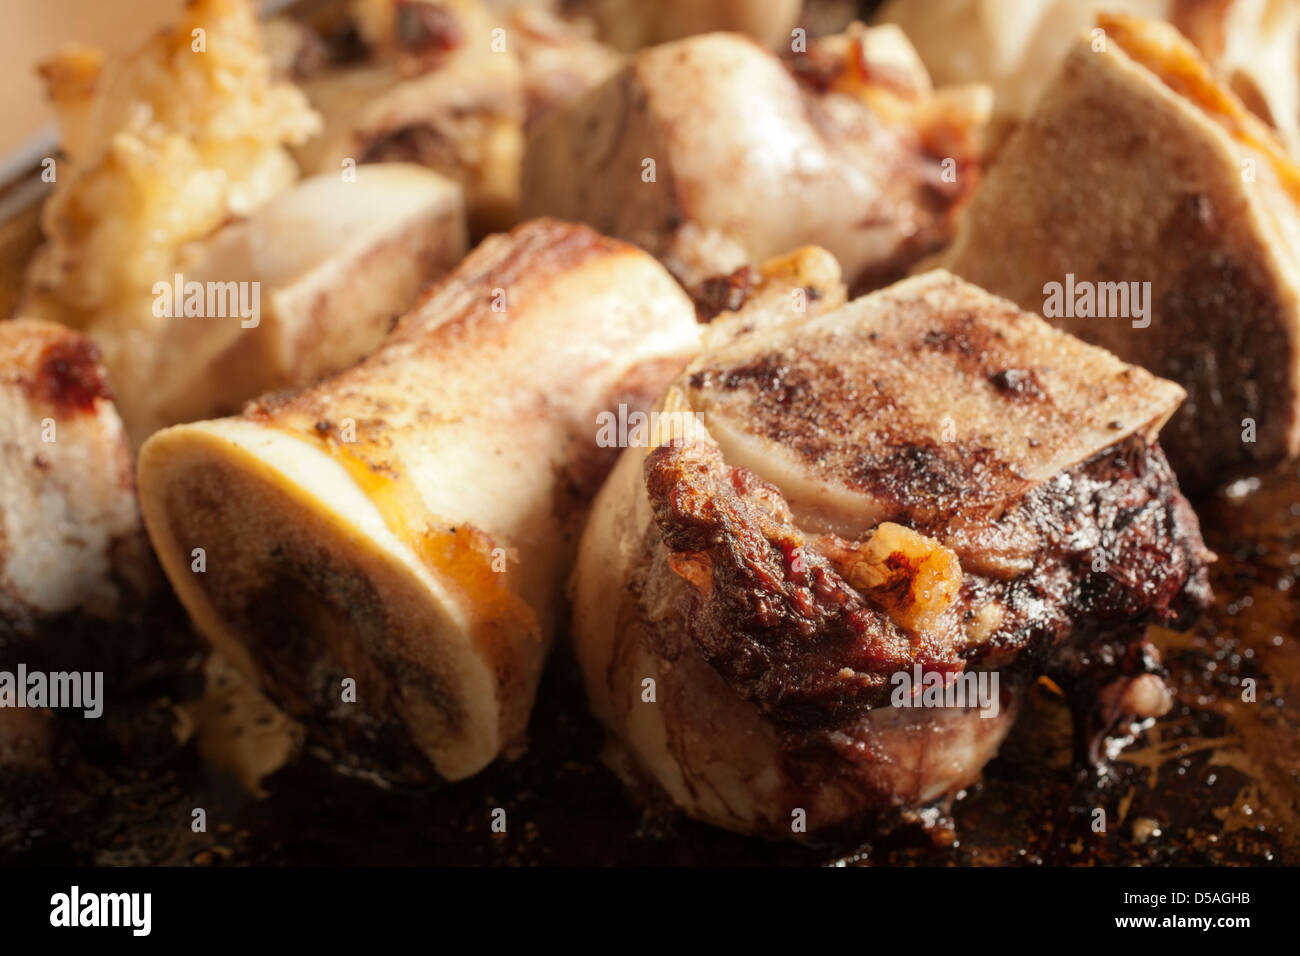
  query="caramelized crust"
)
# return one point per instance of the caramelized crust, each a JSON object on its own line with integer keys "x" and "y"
{"x": 770, "y": 614}
{"x": 773, "y": 612}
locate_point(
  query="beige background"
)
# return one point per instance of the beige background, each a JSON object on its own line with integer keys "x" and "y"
{"x": 33, "y": 29}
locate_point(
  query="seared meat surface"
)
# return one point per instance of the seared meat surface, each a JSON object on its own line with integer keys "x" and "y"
{"x": 769, "y": 612}
{"x": 773, "y": 612}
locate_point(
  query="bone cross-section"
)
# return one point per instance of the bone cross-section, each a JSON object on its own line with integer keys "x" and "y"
{"x": 408, "y": 525}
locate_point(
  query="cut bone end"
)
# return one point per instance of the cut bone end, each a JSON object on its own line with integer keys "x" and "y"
{"x": 334, "y": 554}
{"x": 304, "y": 586}
{"x": 1192, "y": 262}
{"x": 334, "y": 261}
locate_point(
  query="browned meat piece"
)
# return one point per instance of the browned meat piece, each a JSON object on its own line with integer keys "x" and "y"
{"x": 763, "y": 590}
{"x": 926, "y": 481}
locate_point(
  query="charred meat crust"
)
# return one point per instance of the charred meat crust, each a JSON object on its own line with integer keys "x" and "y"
{"x": 1119, "y": 548}
{"x": 774, "y": 616}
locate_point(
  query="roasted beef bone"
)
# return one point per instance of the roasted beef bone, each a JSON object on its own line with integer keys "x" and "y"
{"x": 925, "y": 481}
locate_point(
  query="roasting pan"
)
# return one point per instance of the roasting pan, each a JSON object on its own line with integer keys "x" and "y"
{"x": 1215, "y": 782}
